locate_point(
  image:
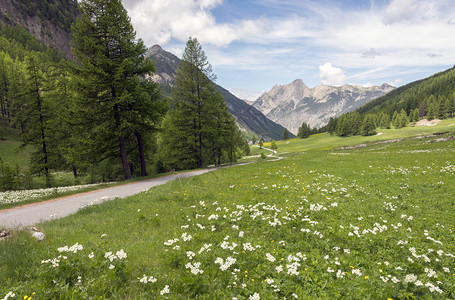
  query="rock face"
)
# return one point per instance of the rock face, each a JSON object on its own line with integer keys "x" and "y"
{"x": 48, "y": 21}
{"x": 290, "y": 105}
{"x": 249, "y": 119}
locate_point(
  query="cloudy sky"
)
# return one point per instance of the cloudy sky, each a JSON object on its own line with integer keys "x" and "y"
{"x": 256, "y": 44}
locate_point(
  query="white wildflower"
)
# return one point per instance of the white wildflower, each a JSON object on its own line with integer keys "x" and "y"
{"x": 165, "y": 290}
{"x": 121, "y": 254}
{"x": 410, "y": 278}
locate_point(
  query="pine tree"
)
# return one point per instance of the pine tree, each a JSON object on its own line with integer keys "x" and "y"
{"x": 415, "y": 115}
{"x": 355, "y": 123}
{"x": 274, "y": 146}
{"x": 117, "y": 100}
{"x": 422, "y": 109}
{"x": 203, "y": 130}
{"x": 403, "y": 118}
{"x": 331, "y": 127}
{"x": 261, "y": 142}
{"x": 384, "y": 121}
{"x": 396, "y": 120}
{"x": 285, "y": 135}
{"x": 368, "y": 125}
{"x": 343, "y": 126}
{"x": 38, "y": 112}
{"x": 304, "y": 131}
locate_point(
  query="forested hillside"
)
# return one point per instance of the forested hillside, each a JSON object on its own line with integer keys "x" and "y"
{"x": 416, "y": 94}
{"x": 47, "y": 20}
{"x": 430, "y": 98}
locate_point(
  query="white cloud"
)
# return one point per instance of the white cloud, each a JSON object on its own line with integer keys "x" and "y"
{"x": 396, "y": 82}
{"x": 246, "y": 94}
{"x": 400, "y": 10}
{"x": 330, "y": 75}
{"x": 365, "y": 43}
{"x": 158, "y": 21}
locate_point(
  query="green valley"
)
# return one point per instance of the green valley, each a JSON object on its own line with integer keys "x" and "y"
{"x": 324, "y": 222}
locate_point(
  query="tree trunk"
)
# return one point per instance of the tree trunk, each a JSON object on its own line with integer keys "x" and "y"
{"x": 74, "y": 171}
{"x": 43, "y": 133}
{"x": 121, "y": 144}
{"x": 126, "y": 167}
{"x": 140, "y": 148}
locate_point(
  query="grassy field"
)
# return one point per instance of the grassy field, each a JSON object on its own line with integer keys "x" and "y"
{"x": 375, "y": 222}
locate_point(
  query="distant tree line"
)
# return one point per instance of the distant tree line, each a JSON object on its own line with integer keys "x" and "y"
{"x": 102, "y": 115}
{"x": 430, "y": 98}
{"x": 354, "y": 123}
{"x": 305, "y": 130}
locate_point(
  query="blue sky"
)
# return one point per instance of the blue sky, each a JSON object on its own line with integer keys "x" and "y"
{"x": 254, "y": 45}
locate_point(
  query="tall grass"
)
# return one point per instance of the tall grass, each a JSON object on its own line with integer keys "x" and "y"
{"x": 363, "y": 223}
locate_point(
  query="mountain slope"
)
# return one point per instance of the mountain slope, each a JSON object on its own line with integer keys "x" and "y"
{"x": 411, "y": 95}
{"x": 294, "y": 103}
{"x": 250, "y": 120}
{"x": 49, "y": 21}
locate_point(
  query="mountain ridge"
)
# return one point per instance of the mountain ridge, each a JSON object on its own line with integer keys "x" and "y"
{"x": 292, "y": 104}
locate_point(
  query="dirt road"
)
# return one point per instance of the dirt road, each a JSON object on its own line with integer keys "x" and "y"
{"x": 28, "y": 215}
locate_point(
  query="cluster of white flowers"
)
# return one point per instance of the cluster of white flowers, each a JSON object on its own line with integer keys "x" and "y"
{"x": 55, "y": 262}
{"x": 171, "y": 242}
{"x": 206, "y": 248}
{"x": 224, "y": 265}
{"x": 248, "y": 247}
{"x": 145, "y": 279}
{"x": 270, "y": 257}
{"x": 76, "y": 247}
{"x": 186, "y": 237}
{"x": 356, "y": 272}
{"x": 22, "y": 195}
{"x": 226, "y": 245}
{"x": 194, "y": 268}
{"x": 165, "y": 290}
{"x": 111, "y": 256}
{"x": 255, "y": 296}
{"x": 9, "y": 295}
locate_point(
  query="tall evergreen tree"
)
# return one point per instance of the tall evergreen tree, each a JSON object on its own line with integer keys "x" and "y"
{"x": 368, "y": 125}
{"x": 38, "y": 113}
{"x": 200, "y": 129}
{"x": 343, "y": 128}
{"x": 415, "y": 115}
{"x": 117, "y": 101}
{"x": 396, "y": 119}
{"x": 355, "y": 122}
{"x": 285, "y": 135}
{"x": 261, "y": 142}
{"x": 384, "y": 121}
{"x": 403, "y": 118}
{"x": 304, "y": 131}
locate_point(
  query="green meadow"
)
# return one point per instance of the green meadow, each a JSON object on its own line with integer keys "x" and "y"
{"x": 324, "y": 222}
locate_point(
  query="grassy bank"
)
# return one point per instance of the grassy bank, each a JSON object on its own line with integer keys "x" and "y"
{"x": 363, "y": 223}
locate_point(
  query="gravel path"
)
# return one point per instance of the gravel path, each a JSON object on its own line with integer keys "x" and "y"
{"x": 31, "y": 214}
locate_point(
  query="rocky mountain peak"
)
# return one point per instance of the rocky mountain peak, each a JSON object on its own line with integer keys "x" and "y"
{"x": 291, "y": 104}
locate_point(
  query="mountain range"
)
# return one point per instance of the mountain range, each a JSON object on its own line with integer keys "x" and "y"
{"x": 250, "y": 120}
{"x": 292, "y": 104}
